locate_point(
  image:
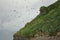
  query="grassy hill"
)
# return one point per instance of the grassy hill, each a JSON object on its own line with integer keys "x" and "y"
{"x": 47, "y": 22}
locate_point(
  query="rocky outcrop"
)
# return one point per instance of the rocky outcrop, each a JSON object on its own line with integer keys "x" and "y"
{"x": 20, "y": 38}
{"x": 38, "y": 37}
{"x": 43, "y": 10}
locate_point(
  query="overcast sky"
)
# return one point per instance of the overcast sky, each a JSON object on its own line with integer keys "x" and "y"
{"x": 15, "y": 13}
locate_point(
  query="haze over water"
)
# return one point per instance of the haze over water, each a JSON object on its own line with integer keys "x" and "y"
{"x": 14, "y": 14}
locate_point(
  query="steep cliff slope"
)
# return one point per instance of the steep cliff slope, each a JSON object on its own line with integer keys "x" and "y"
{"x": 46, "y": 23}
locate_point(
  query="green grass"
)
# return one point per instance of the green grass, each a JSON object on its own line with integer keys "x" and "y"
{"x": 49, "y": 23}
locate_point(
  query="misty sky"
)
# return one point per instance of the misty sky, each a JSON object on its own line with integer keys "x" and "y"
{"x": 14, "y": 14}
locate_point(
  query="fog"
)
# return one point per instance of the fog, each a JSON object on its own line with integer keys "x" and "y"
{"x": 14, "y": 14}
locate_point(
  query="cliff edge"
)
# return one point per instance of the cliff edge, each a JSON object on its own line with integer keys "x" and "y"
{"x": 46, "y": 26}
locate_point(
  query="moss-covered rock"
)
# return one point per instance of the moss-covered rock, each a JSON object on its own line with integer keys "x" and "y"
{"x": 43, "y": 10}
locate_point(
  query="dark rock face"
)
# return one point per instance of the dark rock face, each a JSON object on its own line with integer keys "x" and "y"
{"x": 39, "y": 38}
{"x": 20, "y": 38}
{"x": 43, "y": 10}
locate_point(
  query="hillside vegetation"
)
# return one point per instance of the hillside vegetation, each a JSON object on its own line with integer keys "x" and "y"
{"x": 48, "y": 21}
